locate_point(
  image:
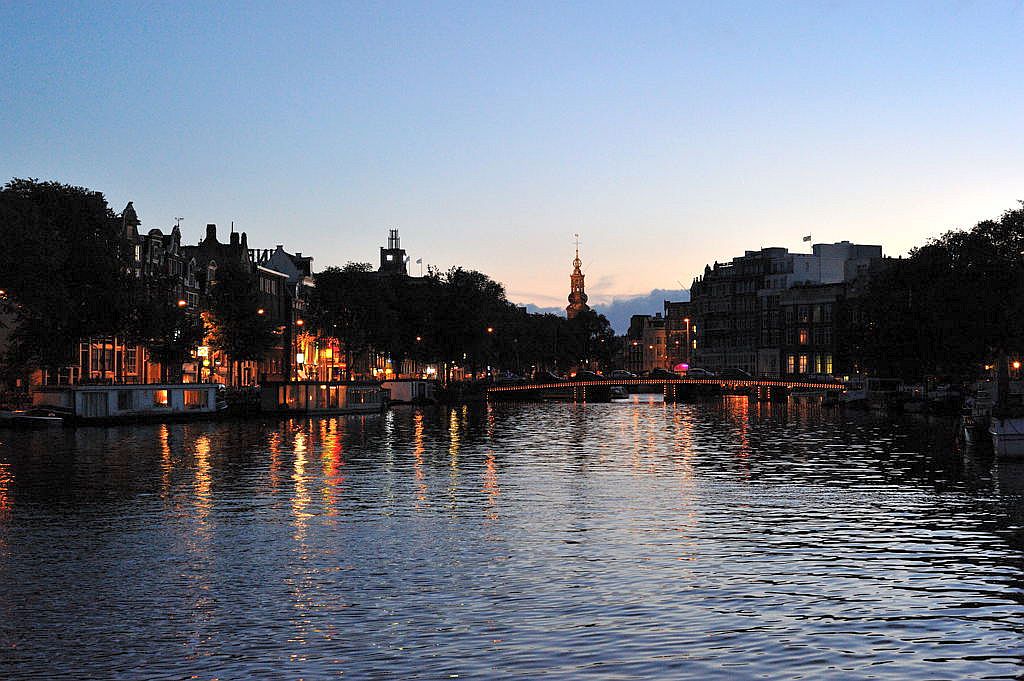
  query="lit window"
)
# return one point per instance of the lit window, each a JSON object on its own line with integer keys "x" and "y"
{"x": 160, "y": 398}
{"x": 803, "y": 364}
{"x": 803, "y": 337}
{"x": 195, "y": 399}
{"x": 790, "y": 364}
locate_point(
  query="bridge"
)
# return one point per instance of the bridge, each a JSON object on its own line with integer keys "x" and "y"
{"x": 673, "y": 388}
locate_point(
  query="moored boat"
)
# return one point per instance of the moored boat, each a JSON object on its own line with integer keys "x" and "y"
{"x": 1007, "y": 436}
{"x": 32, "y": 418}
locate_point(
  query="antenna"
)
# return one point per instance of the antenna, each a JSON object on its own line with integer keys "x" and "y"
{"x": 177, "y": 222}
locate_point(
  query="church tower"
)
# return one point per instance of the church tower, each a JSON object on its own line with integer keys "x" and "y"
{"x": 577, "y": 296}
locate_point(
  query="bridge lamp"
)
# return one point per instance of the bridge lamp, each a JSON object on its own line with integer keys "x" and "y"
{"x": 181, "y": 303}
{"x": 299, "y": 322}
{"x": 1016, "y": 364}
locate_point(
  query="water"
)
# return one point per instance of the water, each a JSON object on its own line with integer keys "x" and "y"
{"x": 644, "y": 540}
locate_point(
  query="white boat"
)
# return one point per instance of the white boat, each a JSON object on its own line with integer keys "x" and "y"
{"x": 31, "y": 418}
{"x": 1007, "y": 436}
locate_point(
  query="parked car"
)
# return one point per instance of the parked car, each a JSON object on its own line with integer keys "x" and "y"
{"x": 546, "y": 377}
{"x": 620, "y": 374}
{"x": 663, "y": 374}
{"x": 508, "y": 377}
{"x": 697, "y": 372}
{"x": 584, "y": 375}
{"x": 736, "y": 374}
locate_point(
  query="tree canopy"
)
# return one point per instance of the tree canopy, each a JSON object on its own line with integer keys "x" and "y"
{"x": 948, "y": 308}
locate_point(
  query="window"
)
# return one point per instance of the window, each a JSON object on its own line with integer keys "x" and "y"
{"x": 804, "y": 313}
{"x": 195, "y": 399}
{"x": 803, "y": 364}
{"x": 125, "y": 401}
{"x": 828, "y": 364}
{"x": 804, "y": 340}
{"x": 817, "y": 313}
{"x": 827, "y": 312}
{"x": 790, "y": 364}
{"x": 129, "y": 360}
{"x": 161, "y": 399}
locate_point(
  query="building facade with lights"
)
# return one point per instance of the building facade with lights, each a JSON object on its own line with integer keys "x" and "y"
{"x": 739, "y": 309}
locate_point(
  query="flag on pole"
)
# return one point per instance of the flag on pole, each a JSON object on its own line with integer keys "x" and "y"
{"x": 807, "y": 238}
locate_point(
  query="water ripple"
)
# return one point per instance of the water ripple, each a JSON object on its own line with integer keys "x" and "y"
{"x": 630, "y": 540}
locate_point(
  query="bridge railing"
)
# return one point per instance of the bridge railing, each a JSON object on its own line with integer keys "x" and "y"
{"x": 719, "y": 382}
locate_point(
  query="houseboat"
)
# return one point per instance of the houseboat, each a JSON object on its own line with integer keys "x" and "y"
{"x": 314, "y": 397}
{"x": 99, "y": 403}
{"x": 410, "y": 391}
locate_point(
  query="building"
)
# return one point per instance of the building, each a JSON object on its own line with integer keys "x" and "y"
{"x": 810, "y": 334}
{"x": 646, "y": 345}
{"x": 737, "y": 308}
{"x": 678, "y": 334}
{"x": 393, "y": 259}
{"x": 577, "y": 294}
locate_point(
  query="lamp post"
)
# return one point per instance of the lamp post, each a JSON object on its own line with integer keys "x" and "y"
{"x": 687, "y": 320}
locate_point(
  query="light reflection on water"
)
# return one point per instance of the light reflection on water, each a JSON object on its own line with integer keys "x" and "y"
{"x": 637, "y": 539}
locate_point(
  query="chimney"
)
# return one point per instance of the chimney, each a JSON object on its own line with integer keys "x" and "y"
{"x": 298, "y": 254}
{"x": 211, "y": 232}
{"x": 234, "y": 238}
{"x": 245, "y": 242}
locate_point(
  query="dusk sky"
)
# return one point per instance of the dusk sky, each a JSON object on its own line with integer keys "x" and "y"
{"x": 667, "y": 135}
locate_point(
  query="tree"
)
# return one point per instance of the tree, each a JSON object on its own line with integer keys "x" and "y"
{"x": 951, "y": 306}
{"x": 237, "y": 329}
{"x": 64, "y": 268}
{"x": 169, "y": 330}
{"x": 348, "y": 303}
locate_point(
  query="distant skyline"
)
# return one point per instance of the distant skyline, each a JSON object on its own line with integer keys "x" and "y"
{"x": 668, "y": 135}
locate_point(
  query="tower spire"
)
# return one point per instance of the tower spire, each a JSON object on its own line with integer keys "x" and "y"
{"x": 577, "y": 294}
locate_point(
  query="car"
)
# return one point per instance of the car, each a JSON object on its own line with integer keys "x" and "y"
{"x": 663, "y": 374}
{"x": 620, "y": 374}
{"x": 508, "y": 377}
{"x": 736, "y": 374}
{"x": 542, "y": 376}
{"x": 697, "y": 372}
{"x": 584, "y": 375}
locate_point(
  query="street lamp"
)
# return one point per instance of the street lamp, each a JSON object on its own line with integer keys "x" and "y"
{"x": 181, "y": 303}
{"x": 260, "y": 311}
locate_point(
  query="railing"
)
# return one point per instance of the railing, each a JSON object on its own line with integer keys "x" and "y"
{"x": 720, "y": 382}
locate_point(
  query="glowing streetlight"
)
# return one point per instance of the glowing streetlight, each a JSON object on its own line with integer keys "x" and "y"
{"x": 1016, "y": 364}
{"x": 299, "y": 322}
{"x": 490, "y": 329}
{"x": 260, "y": 311}
{"x": 181, "y": 303}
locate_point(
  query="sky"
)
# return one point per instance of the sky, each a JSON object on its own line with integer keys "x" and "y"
{"x": 667, "y": 135}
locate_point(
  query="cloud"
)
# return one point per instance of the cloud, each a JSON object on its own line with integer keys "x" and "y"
{"x": 619, "y": 309}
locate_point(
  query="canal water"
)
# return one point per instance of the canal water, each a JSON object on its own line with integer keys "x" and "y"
{"x": 724, "y": 540}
